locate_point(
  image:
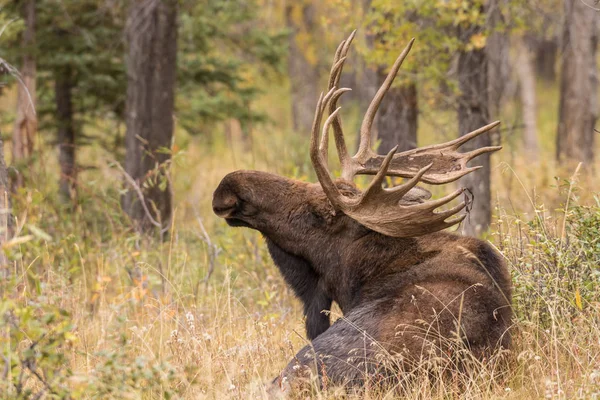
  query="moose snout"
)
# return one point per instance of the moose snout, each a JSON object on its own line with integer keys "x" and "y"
{"x": 224, "y": 204}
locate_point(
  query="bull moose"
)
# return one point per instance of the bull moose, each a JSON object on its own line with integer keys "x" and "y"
{"x": 404, "y": 286}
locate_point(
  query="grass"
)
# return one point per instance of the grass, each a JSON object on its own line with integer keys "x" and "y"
{"x": 90, "y": 309}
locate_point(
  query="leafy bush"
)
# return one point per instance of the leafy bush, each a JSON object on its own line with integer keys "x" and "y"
{"x": 555, "y": 262}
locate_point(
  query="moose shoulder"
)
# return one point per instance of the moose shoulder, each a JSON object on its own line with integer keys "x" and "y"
{"x": 400, "y": 281}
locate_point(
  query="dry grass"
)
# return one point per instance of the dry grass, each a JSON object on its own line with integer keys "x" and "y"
{"x": 141, "y": 322}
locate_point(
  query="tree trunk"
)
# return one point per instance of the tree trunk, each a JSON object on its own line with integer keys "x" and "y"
{"x": 397, "y": 118}
{"x": 396, "y": 121}
{"x": 303, "y": 71}
{"x": 151, "y": 67}
{"x": 473, "y": 113}
{"x": 368, "y": 81}
{"x": 26, "y": 120}
{"x": 525, "y": 72}
{"x": 63, "y": 91}
{"x": 497, "y": 52}
{"x": 578, "y": 107}
{"x": 545, "y": 58}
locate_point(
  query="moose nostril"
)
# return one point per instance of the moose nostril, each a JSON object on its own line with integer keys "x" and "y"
{"x": 223, "y": 211}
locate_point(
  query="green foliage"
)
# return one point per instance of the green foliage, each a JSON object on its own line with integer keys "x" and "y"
{"x": 441, "y": 28}
{"x": 34, "y": 339}
{"x": 556, "y": 263}
{"x": 586, "y": 227}
{"x": 436, "y": 23}
{"x": 222, "y": 50}
{"x": 82, "y": 41}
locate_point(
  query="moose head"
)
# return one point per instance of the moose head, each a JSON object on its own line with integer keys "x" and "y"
{"x": 286, "y": 210}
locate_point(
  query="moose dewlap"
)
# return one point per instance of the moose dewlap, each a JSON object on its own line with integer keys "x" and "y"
{"x": 409, "y": 292}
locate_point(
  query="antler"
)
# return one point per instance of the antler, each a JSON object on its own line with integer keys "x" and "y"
{"x": 378, "y": 208}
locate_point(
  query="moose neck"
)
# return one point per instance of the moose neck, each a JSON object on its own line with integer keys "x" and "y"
{"x": 314, "y": 261}
{"x": 340, "y": 267}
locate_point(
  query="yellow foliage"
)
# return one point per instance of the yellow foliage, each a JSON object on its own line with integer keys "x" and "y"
{"x": 477, "y": 41}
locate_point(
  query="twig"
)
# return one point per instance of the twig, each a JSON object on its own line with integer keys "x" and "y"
{"x": 572, "y": 182}
{"x": 589, "y": 6}
{"x": 140, "y": 195}
{"x": 213, "y": 249}
{"x": 6, "y": 26}
{"x": 6, "y": 67}
{"x": 6, "y": 367}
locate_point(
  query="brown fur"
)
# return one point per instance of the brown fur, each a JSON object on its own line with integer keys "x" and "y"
{"x": 400, "y": 296}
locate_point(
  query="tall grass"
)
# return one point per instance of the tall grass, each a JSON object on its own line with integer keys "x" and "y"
{"x": 91, "y": 309}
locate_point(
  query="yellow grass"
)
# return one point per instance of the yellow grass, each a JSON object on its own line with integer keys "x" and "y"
{"x": 130, "y": 297}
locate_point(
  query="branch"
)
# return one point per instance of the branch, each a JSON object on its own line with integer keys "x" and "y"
{"x": 214, "y": 250}
{"x": 137, "y": 189}
{"x": 5, "y": 67}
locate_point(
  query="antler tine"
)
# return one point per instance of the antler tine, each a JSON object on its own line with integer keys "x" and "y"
{"x": 335, "y": 68}
{"x": 456, "y": 143}
{"x": 364, "y": 149}
{"x": 324, "y": 145}
{"x": 450, "y": 212}
{"x": 340, "y": 53}
{"x": 344, "y": 53}
{"x": 321, "y": 104}
{"x": 433, "y": 204}
{"x": 490, "y": 149}
{"x": 317, "y": 117}
{"x": 447, "y": 224}
{"x": 398, "y": 192}
{"x": 334, "y": 79}
{"x": 326, "y": 100}
{"x": 314, "y": 136}
{"x": 348, "y": 42}
{"x": 375, "y": 185}
{"x": 325, "y": 132}
{"x": 338, "y": 134}
{"x": 319, "y": 162}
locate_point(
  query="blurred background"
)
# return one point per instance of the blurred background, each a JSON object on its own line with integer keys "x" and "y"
{"x": 119, "y": 118}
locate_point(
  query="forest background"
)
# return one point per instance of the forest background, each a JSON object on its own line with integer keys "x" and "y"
{"x": 119, "y": 118}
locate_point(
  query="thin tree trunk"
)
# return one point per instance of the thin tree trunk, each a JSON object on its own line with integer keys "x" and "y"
{"x": 473, "y": 113}
{"x": 303, "y": 72}
{"x": 6, "y": 221}
{"x": 525, "y": 72}
{"x": 63, "y": 92}
{"x": 151, "y": 65}
{"x": 26, "y": 120}
{"x": 578, "y": 107}
{"x": 397, "y": 118}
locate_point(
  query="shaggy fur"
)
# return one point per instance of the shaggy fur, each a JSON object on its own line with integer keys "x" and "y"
{"x": 404, "y": 297}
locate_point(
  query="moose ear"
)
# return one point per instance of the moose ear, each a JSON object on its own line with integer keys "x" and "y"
{"x": 321, "y": 209}
{"x": 320, "y": 206}
{"x": 416, "y": 195}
